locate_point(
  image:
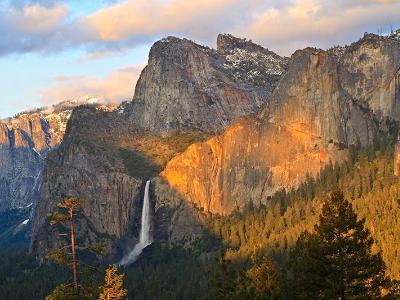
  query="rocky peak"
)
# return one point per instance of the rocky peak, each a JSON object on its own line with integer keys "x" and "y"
{"x": 370, "y": 70}
{"x": 227, "y": 43}
{"x": 337, "y": 52}
{"x": 248, "y": 62}
{"x": 187, "y": 87}
{"x": 25, "y": 141}
{"x": 320, "y": 107}
{"x": 395, "y": 34}
{"x": 174, "y": 49}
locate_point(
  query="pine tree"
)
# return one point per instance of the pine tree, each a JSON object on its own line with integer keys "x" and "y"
{"x": 62, "y": 292}
{"x": 263, "y": 278}
{"x": 113, "y": 287}
{"x": 224, "y": 281}
{"x": 66, "y": 256}
{"x": 67, "y": 210}
{"x": 336, "y": 262}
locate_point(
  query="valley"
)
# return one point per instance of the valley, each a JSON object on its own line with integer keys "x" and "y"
{"x": 224, "y": 157}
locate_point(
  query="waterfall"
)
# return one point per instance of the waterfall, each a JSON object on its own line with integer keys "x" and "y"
{"x": 145, "y": 238}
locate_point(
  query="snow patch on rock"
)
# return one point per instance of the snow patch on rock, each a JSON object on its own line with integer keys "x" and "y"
{"x": 395, "y": 35}
{"x": 254, "y": 67}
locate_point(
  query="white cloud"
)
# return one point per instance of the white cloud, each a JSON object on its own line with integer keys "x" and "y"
{"x": 116, "y": 87}
{"x": 321, "y": 23}
{"x": 36, "y": 19}
{"x": 280, "y": 25}
{"x": 155, "y": 17}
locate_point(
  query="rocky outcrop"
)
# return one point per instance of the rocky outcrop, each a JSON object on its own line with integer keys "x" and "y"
{"x": 88, "y": 166}
{"x": 322, "y": 105}
{"x": 250, "y": 63}
{"x": 103, "y": 160}
{"x": 311, "y": 118}
{"x": 176, "y": 220}
{"x": 370, "y": 71}
{"x": 106, "y": 156}
{"x": 186, "y": 86}
{"x": 24, "y": 143}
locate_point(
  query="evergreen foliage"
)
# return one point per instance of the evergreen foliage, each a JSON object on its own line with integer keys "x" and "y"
{"x": 263, "y": 279}
{"x": 273, "y": 228}
{"x": 336, "y": 261}
{"x": 113, "y": 285}
{"x": 86, "y": 287}
{"x": 284, "y": 225}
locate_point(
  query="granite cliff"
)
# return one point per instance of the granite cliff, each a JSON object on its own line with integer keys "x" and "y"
{"x": 24, "y": 143}
{"x": 323, "y": 105}
{"x": 272, "y": 123}
{"x": 184, "y": 94}
{"x": 186, "y": 86}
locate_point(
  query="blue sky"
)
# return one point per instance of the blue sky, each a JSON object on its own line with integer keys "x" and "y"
{"x": 52, "y": 50}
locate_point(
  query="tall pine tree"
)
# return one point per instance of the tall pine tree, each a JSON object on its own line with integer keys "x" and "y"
{"x": 113, "y": 288}
{"x": 336, "y": 261}
{"x": 263, "y": 280}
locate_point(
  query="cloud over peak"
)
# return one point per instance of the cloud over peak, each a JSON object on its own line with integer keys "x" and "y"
{"x": 115, "y": 87}
{"x": 50, "y": 26}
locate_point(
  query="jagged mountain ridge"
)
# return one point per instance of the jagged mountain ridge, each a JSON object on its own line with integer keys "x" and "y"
{"x": 25, "y": 141}
{"x": 320, "y": 108}
{"x": 186, "y": 86}
{"x": 316, "y": 112}
{"x": 94, "y": 161}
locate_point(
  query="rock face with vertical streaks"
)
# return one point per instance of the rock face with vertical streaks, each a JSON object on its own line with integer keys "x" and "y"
{"x": 322, "y": 105}
{"x": 24, "y": 143}
{"x": 186, "y": 86}
{"x": 274, "y": 122}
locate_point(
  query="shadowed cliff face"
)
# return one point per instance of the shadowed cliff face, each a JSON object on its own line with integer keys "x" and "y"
{"x": 186, "y": 91}
{"x": 24, "y": 143}
{"x": 313, "y": 115}
{"x": 370, "y": 71}
{"x": 318, "y": 109}
{"x": 104, "y": 159}
{"x": 191, "y": 87}
{"x": 87, "y": 166}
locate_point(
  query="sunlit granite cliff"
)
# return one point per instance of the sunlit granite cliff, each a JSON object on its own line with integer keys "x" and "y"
{"x": 323, "y": 105}
{"x": 222, "y": 128}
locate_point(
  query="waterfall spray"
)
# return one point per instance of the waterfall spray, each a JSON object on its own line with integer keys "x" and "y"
{"x": 145, "y": 238}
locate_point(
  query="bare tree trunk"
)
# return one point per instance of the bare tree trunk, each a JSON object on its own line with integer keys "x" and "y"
{"x": 74, "y": 270}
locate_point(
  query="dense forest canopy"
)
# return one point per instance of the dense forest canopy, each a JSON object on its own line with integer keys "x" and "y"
{"x": 246, "y": 237}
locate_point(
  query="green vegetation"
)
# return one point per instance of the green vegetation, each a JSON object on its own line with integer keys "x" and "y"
{"x": 113, "y": 285}
{"x": 137, "y": 165}
{"x": 262, "y": 256}
{"x": 158, "y": 150}
{"x": 336, "y": 260}
{"x": 21, "y": 276}
{"x": 180, "y": 141}
{"x": 273, "y": 229}
{"x": 14, "y": 234}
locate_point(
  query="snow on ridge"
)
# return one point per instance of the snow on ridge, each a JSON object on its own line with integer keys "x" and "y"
{"x": 34, "y": 150}
{"x": 337, "y": 52}
{"x": 395, "y": 35}
{"x": 27, "y": 206}
{"x": 253, "y": 66}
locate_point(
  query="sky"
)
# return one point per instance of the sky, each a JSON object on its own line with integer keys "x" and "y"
{"x": 54, "y": 50}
